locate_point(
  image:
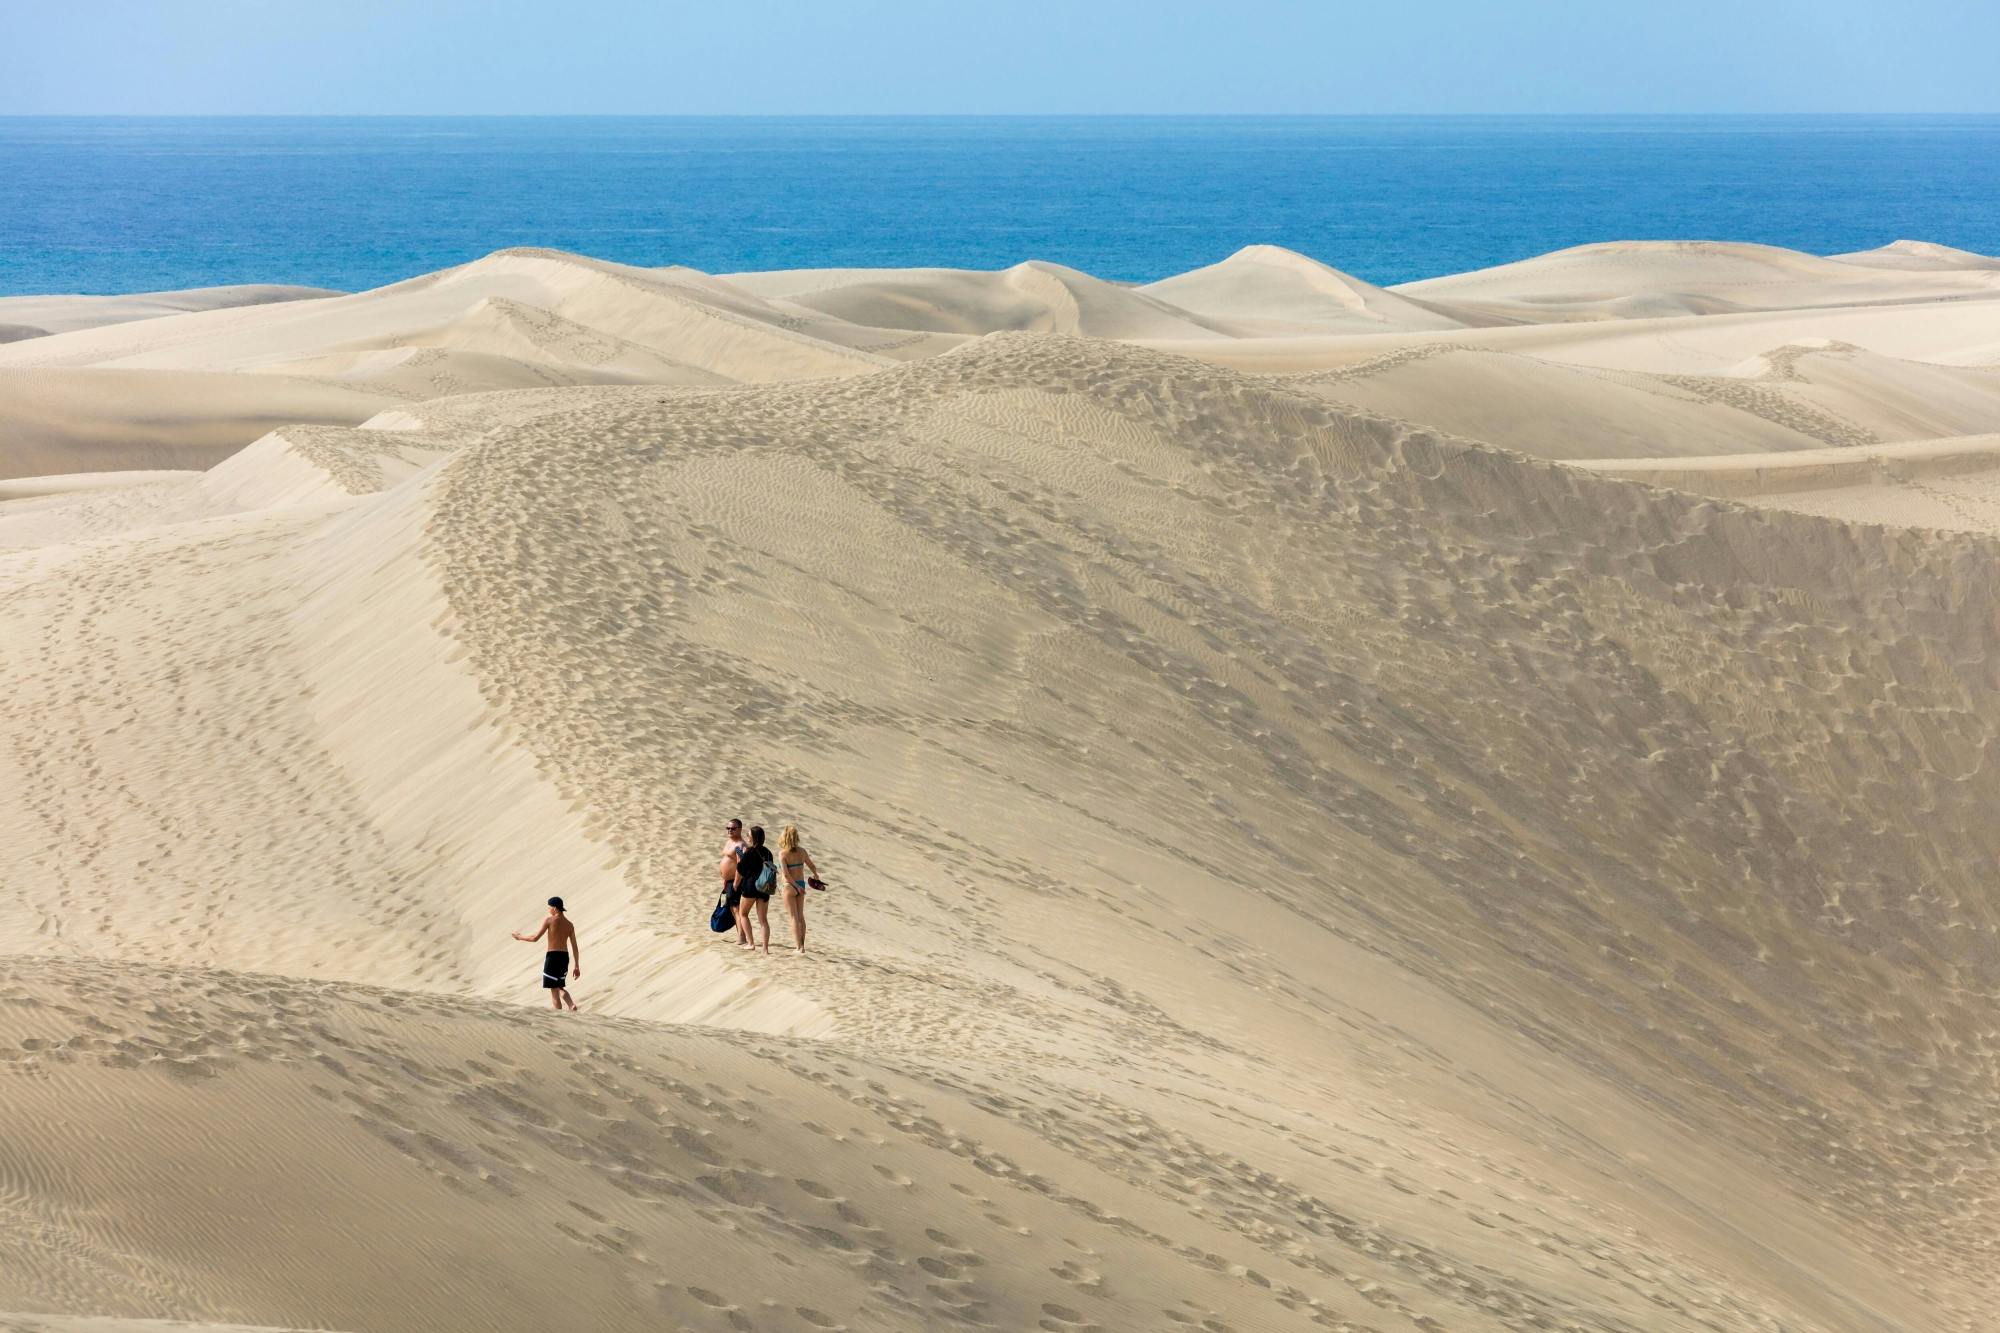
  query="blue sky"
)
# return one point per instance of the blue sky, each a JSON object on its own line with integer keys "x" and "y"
{"x": 1011, "y": 56}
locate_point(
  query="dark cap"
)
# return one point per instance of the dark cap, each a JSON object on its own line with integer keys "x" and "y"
{"x": 556, "y": 903}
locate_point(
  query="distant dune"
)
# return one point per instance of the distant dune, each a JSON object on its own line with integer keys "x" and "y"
{"x": 1918, "y": 255}
{"x": 1266, "y": 289}
{"x": 1914, "y": 333}
{"x": 38, "y": 316}
{"x": 1033, "y": 297}
{"x": 1344, "y": 809}
{"x": 1641, "y": 279}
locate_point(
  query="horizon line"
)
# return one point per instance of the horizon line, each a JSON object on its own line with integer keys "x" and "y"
{"x": 984, "y": 115}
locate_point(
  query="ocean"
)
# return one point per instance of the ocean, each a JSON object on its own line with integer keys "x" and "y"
{"x": 118, "y": 204}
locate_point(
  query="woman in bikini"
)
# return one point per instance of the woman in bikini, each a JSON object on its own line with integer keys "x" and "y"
{"x": 796, "y": 872}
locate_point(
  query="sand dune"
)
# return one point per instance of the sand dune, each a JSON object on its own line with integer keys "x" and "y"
{"x": 94, "y": 420}
{"x": 1649, "y": 279}
{"x": 47, "y": 1323}
{"x": 1918, "y": 255}
{"x": 706, "y": 323}
{"x": 1294, "y": 864}
{"x": 517, "y": 319}
{"x": 1562, "y": 411}
{"x": 1806, "y": 394}
{"x": 1941, "y": 332}
{"x": 1034, "y": 297}
{"x": 1892, "y": 398}
{"x": 1265, "y": 289}
{"x": 1949, "y": 484}
{"x": 1891, "y": 345}
{"x": 37, "y": 316}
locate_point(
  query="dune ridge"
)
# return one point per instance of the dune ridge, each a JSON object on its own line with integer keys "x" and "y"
{"x": 1911, "y": 331}
{"x": 1297, "y": 862}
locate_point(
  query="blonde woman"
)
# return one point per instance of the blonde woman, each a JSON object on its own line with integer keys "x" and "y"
{"x": 796, "y": 872}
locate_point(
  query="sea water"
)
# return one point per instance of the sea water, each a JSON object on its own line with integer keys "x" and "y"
{"x": 117, "y": 204}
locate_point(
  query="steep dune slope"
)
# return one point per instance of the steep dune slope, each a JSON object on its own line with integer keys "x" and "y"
{"x": 1291, "y": 869}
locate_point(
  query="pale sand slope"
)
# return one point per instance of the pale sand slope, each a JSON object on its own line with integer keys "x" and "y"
{"x": 1638, "y": 279}
{"x": 1033, "y": 297}
{"x": 35, "y": 316}
{"x": 1805, "y": 395}
{"x": 1918, "y": 255}
{"x": 1948, "y": 484}
{"x": 50, "y": 486}
{"x": 47, "y": 1323}
{"x": 1261, "y": 290}
{"x": 1914, "y": 359}
{"x": 101, "y": 420}
{"x": 1962, "y": 334}
{"x": 1291, "y": 870}
{"x": 708, "y": 323}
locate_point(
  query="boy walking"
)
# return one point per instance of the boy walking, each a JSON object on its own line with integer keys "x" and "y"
{"x": 563, "y": 948}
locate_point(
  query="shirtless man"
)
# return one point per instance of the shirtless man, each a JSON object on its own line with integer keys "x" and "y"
{"x": 563, "y": 947}
{"x": 732, "y": 849}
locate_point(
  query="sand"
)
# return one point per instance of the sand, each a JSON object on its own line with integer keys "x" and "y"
{"x": 1303, "y": 854}
{"x": 1266, "y": 289}
{"x": 23, "y": 317}
{"x": 1628, "y": 279}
